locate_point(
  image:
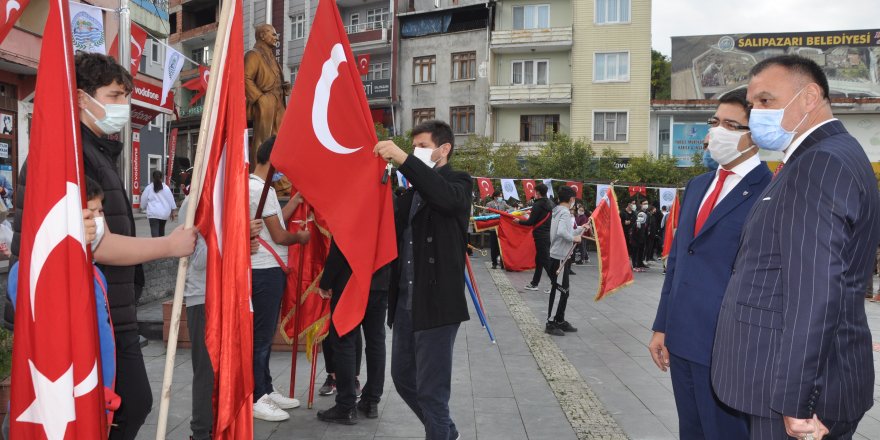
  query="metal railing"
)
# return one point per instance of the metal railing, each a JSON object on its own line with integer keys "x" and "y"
{"x": 364, "y": 27}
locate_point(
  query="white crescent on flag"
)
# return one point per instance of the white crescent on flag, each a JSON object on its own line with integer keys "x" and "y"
{"x": 329, "y": 73}
{"x": 11, "y": 5}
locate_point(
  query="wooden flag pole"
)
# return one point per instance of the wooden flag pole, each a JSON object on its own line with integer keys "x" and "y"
{"x": 207, "y": 124}
{"x": 314, "y": 372}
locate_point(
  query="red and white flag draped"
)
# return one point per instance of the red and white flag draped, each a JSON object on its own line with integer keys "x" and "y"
{"x": 10, "y": 10}
{"x": 138, "y": 40}
{"x": 528, "y": 188}
{"x": 56, "y": 372}
{"x": 222, "y": 219}
{"x": 486, "y": 188}
{"x": 615, "y": 268}
{"x": 578, "y": 188}
{"x": 328, "y": 132}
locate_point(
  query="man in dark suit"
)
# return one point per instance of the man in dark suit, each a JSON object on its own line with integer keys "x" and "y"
{"x": 426, "y": 303}
{"x": 713, "y": 210}
{"x": 793, "y": 348}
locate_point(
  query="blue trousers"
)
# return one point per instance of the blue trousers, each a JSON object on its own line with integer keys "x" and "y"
{"x": 700, "y": 414}
{"x": 421, "y": 368}
{"x": 268, "y": 289}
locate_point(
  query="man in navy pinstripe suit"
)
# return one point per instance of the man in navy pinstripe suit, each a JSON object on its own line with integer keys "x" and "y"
{"x": 792, "y": 347}
{"x": 698, "y": 269}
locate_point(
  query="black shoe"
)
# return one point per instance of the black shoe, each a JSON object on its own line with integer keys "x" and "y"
{"x": 329, "y": 386}
{"x": 571, "y": 272}
{"x": 494, "y": 266}
{"x": 565, "y": 327}
{"x": 370, "y": 409}
{"x": 552, "y": 329}
{"x": 337, "y": 415}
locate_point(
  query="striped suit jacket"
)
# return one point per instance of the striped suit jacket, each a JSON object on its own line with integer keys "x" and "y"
{"x": 792, "y": 335}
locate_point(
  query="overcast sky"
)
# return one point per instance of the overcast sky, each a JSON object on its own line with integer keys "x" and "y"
{"x": 700, "y": 17}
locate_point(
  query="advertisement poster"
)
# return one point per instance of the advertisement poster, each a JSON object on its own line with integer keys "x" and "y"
{"x": 687, "y": 139}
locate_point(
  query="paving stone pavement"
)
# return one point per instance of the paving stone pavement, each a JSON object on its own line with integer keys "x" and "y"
{"x": 499, "y": 390}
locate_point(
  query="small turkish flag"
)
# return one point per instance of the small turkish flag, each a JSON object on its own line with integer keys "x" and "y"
{"x": 363, "y": 64}
{"x": 633, "y": 190}
{"x": 486, "y": 188}
{"x": 10, "y": 10}
{"x": 578, "y": 188}
{"x": 138, "y": 40}
{"x": 529, "y": 188}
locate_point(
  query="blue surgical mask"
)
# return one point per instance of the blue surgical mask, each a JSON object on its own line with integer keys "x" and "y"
{"x": 499, "y": 199}
{"x": 115, "y": 116}
{"x": 767, "y": 130}
{"x": 708, "y": 162}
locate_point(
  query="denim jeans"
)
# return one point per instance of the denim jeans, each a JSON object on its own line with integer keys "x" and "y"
{"x": 268, "y": 289}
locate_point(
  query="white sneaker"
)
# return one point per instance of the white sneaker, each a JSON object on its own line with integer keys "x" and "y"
{"x": 283, "y": 402}
{"x": 266, "y": 409}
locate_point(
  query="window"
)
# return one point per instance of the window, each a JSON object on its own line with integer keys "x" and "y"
{"x": 156, "y": 122}
{"x": 354, "y": 20}
{"x": 294, "y": 70}
{"x": 462, "y": 119}
{"x": 377, "y": 17}
{"x": 299, "y": 26}
{"x": 423, "y": 69}
{"x": 612, "y": 11}
{"x": 534, "y": 128}
{"x": 529, "y": 72}
{"x": 421, "y": 115}
{"x": 155, "y": 51}
{"x": 611, "y": 67}
{"x": 464, "y": 66}
{"x": 202, "y": 55}
{"x": 154, "y": 163}
{"x": 610, "y": 126}
{"x": 380, "y": 71}
{"x": 142, "y": 67}
{"x": 531, "y": 17}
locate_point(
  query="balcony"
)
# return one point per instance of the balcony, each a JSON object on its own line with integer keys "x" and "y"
{"x": 526, "y": 40}
{"x": 511, "y": 96}
{"x": 374, "y": 37}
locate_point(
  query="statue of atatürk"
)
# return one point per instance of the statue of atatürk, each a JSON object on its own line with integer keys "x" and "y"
{"x": 264, "y": 87}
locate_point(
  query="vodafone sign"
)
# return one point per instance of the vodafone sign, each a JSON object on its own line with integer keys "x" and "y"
{"x": 146, "y": 101}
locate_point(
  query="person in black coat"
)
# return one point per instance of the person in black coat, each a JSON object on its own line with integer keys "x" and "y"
{"x": 427, "y": 302}
{"x": 542, "y": 209}
{"x": 639, "y": 237}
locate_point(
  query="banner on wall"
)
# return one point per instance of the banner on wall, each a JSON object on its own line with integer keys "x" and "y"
{"x": 509, "y": 189}
{"x": 667, "y": 196}
{"x": 687, "y": 139}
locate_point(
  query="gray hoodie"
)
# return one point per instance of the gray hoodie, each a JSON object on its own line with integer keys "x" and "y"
{"x": 562, "y": 233}
{"x": 194, "y": 292}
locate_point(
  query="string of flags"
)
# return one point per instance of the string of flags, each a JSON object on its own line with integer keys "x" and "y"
{"x": 509, "y": 189}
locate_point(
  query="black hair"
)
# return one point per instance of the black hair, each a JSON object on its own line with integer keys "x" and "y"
{"x": 95, "y": 70}
{"x": 265, "y": 151}
{"x": 441, "y": 133}
{"x": 541, "y": 189}
{"x": 796, "y": 64}
{"x": 93, "y": 189}
{"x": 157, "y": 180}
{"x": 737, "y": 97}
{"x": 496, "y": 193}
{"x": 565, "y": 194}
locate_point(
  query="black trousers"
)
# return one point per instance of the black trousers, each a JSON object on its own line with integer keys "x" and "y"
{"x": 203, "y": 375}
{"x": 330, "y": 353}
{"x": 561, "y": 288}
{"x": 494, "y": 249}
{"x": 157, "y": 227}
{"x": 374, "y": 337}
{"x": 132, "y": 386}
{"x": 542, "y": 258}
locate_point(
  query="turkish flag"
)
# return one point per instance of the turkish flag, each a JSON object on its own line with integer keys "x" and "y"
{"x": 514, "y": 239}
{"x": 10, "y": 10}
{"x": 363, "y": 64}
{"x": 486, "y": 188}
{"x": 578, "y": 188}
{"x": 222, "y": 219}
{"x": 529, "y": 188}
{"x": 671, "y": 226}
{"x": 327, "y": 132}
{"x": 138, "y": 40}
{"x": 614, "y": 263}
{"x": 633, "y": 190}
{"x": 57, "y": 391}
{"x": 199, "y": 84}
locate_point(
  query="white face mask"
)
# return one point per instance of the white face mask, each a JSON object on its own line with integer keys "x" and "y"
{"x": 100, "y": 228}
{"x": 723, "y": 145}
{"x": 424, "y": 155}
{"x": 115, "y": 116}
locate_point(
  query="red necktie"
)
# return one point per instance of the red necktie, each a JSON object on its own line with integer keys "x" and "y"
{"x": 778, "y": 169}
{"x": 710, "y": 202}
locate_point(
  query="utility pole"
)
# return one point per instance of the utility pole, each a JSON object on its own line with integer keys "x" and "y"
{"x": 125, "y": 60}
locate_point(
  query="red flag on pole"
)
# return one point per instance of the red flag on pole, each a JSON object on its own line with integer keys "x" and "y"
{"x": 222, "y": 219}
{"x": 578, "y": 188}
{"x": 198, "y": 85}
{"x": 486, "y": 188}
{"x": 138, "y": 40}
{"x": 671, "y": 226}
{"x": 10, "y": 10}
{"x": 529, "y": 188}
{"x": 328, "y": 132}
{"x": 615, "y": 268}
{"x": 363, "y": 64}
{"x": 56, "y": 372}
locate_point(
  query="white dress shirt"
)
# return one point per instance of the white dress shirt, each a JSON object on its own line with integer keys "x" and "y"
{"x": 800, "y": 139}
{"x": 739, "y": 172}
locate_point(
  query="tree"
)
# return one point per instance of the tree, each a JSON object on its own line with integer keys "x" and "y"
{"x": 661, "y": 76}
{"x": 562, "y": 158}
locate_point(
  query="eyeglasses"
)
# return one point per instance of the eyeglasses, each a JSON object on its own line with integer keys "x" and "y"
{"x": 730, "y": 125}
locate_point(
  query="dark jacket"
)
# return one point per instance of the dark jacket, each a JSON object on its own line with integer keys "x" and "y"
{"x": 439, "y": 231}
{"x": 541, "y": 209}
{"x": 100, "y": 156}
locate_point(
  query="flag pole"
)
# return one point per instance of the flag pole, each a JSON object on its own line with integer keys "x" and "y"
{"x": 296, "y": 311}
{"x": 314, "y": 372}
{"x": 207, "y": 123}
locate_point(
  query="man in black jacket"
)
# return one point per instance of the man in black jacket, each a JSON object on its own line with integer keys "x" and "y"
{"x": 426, "y": 302}
{"x": 540, "y": 215}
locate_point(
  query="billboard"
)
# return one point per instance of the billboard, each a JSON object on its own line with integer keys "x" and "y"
{"x": 706, "y": 66}
{"x": 687, "y": 139}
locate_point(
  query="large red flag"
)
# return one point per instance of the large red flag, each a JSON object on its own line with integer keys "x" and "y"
{"x": 138, "y": 40}
{"x": 615, "y": 268}
{"x": 222, "y": 218}
{"x": 514, "y": 240}
{"x": 671, "y": 226}
{"x": 328, "y": 132}
{"x": 10, "y": 10}
{"x": 529, "y": 188}
{"x": 486, "y": 188}
{"x": 56, "y": 373}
